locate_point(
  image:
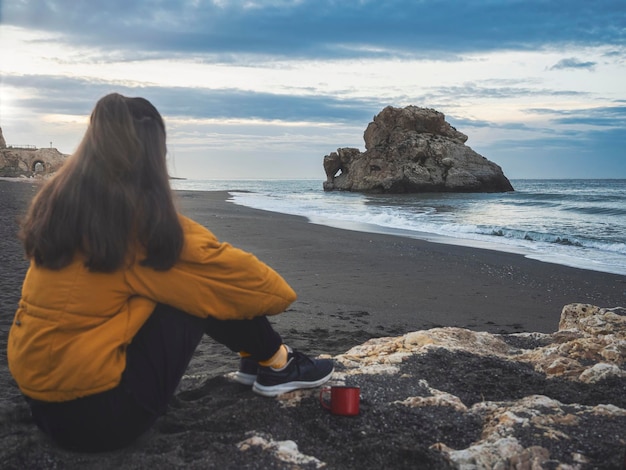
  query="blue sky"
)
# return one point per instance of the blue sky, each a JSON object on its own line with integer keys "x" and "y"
{"x": 265, "y": 89}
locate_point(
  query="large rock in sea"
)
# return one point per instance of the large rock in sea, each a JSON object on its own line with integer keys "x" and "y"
{"x": 411, "y": 150}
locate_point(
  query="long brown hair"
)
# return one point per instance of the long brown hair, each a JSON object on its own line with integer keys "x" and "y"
{"x": 111, "y": 196}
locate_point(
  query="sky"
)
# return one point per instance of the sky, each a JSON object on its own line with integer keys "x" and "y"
{"x": 258, "y": 89}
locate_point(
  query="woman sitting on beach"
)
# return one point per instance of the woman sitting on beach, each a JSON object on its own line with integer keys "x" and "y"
{"x": 121, "y": 289}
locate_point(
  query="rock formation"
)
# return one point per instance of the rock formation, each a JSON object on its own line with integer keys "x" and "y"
{"x": 411, "y": 150}
{"x": 443, "y": 398}
{"x": 28, "y": 161}
{"x": 524, "y": 420}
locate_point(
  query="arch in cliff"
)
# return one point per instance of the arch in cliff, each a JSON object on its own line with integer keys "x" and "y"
{"x": 38, "y": 166}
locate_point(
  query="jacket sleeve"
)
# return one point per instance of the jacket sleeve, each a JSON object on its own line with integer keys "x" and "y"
{"x": 213, "y": 279}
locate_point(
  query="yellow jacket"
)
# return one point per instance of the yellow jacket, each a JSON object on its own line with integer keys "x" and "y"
{"x": 70, "y": 332}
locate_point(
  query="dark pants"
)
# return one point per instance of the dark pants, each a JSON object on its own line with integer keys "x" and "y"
{"x": 155, "y": 362}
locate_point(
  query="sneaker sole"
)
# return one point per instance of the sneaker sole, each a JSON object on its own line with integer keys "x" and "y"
{"x": 275, "y": 390}
{"x": 243, "y": 378}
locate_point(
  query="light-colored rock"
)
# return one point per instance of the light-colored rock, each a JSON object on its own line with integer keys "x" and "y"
{"x": 411, "y": 150}
{"x": 386, "y": 351}
{"x": 285, "y": 451}
{"x": 587, "y": 335}
{"x": 437, "y": 398}
{"x": 594, "y": 320}
{"x": 600, "y": 372}
{"x": 494, "y": 455}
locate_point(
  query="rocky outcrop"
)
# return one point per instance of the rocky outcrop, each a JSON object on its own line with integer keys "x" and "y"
{"x": 536, "y": 407}
{"x": 412, "y": 150}
{"x": 443, "y": 398}
{"x": 28, "y": 161}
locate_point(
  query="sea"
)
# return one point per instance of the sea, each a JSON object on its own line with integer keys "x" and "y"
{"x": 576, "y": 222}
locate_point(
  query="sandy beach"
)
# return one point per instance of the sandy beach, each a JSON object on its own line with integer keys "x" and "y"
{"x": 352, "y": 286}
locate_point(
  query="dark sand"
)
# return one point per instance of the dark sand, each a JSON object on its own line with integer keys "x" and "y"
{"x": 352, "y": 286}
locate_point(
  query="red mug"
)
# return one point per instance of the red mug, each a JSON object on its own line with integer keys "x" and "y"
{"x": 344, "y": 401}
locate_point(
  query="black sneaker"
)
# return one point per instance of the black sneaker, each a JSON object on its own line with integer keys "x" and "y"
{"x": 246, "y": 375}
{"x": 299, "y": 372}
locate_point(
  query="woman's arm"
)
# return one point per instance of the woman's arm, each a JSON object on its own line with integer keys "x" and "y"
{"x": 213, "y": 278}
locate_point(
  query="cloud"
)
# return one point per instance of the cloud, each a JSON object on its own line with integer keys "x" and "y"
{"x": 573, "y": 63}
{"x": 77, "y": 96}
{"x": 323, "y": 28}
{"x": 464, "y": 123}
{"x": 603, "y": 116}
{"x": 473, "y": 90}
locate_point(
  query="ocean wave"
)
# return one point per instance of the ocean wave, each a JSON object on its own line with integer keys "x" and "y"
{"x": 532, "y": 203}
{"x": 533, "y": 236}
{"x": 597, "y": 210}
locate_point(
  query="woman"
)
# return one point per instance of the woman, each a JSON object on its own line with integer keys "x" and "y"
{"x": 121, "y": 289}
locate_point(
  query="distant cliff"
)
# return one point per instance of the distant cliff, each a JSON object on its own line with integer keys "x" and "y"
{"x": 27, "y": 160}
{"x": 410, "y": 150}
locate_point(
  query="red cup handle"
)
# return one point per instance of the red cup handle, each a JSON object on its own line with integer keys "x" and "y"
{"x": 322, "y": 401}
